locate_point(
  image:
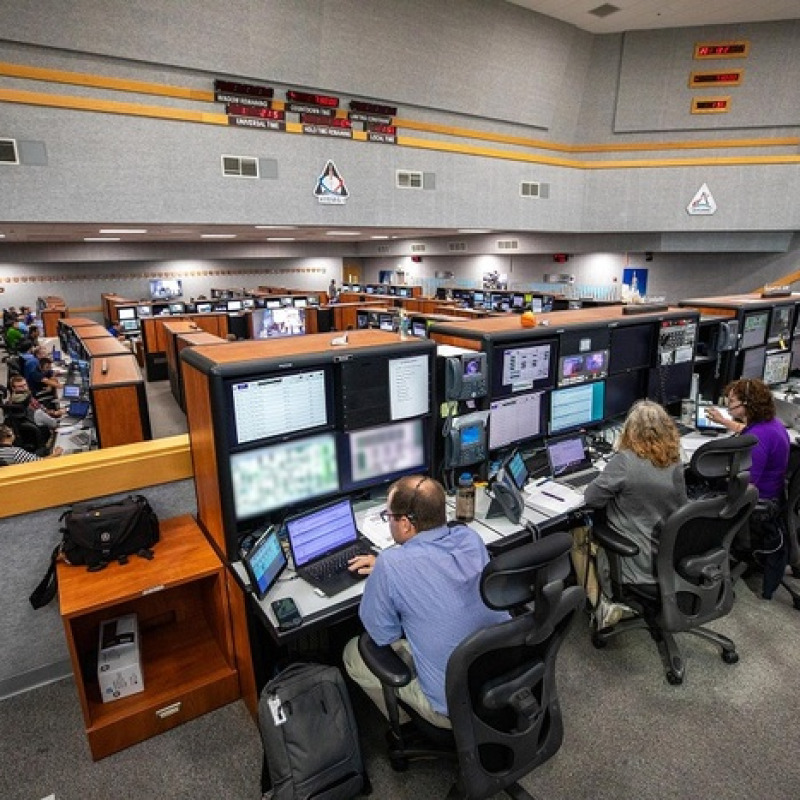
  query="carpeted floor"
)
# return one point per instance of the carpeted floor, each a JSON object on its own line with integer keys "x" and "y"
{"x": 729, "y": 732}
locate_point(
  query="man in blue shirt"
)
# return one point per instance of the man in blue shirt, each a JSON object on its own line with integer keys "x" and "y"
{"x": 421, "y": 597}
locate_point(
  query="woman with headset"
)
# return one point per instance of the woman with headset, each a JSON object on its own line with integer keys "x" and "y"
{"x": 752, "y": 410}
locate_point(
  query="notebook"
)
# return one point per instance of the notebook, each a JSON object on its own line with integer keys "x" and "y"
{"x": 570, "y": 461}
{"x": 322, "y": 541}
{"x": 264, "y": 563}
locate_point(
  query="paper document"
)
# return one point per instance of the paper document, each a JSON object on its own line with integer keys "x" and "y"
{"x": 375, "y": 529}
{"x": 552, "y": 498}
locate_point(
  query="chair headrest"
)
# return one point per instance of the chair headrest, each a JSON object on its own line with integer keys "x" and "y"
{"x": 721, "y": 458}
{"x": 514, "y": 578}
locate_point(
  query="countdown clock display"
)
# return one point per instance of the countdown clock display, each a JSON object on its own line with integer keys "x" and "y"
{"x": 729, "y": 77}
{"x": 704, "y": 50}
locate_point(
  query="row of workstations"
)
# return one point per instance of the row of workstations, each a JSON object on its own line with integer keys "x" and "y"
{"x": 112, "y": 378}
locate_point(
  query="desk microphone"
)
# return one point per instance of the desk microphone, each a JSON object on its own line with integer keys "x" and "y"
{"x": 104, "y": 366}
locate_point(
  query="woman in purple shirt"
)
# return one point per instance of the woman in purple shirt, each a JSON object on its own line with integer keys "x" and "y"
{"x": 752, "y": 410}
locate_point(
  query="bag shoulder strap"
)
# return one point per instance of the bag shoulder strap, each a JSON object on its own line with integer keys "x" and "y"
{"x": 46, "y": 589}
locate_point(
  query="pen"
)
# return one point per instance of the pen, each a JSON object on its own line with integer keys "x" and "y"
{"x": 554, "y": 496}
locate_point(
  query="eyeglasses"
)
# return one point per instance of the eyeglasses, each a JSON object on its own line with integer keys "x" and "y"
{"x": 735, "y": 404}
{"x": 386, "y": 515}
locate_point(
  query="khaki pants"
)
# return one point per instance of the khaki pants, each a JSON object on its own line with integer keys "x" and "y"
{"x": 411, "y": 694}
{"x": 584, "y": 561}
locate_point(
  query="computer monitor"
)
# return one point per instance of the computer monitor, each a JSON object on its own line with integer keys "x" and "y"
{"x": 165, "y": 289}
{"x": 670, "y": 384}
{"x": 248, "y": 303}
{"x": 577, "y": 406}
{"x": 522, "y": 367}
{"x": 385, "y": 322}
{"x": 780, "y": 324}
{"x": 623, "y": 390}
{"x": 300, "y": 302}
{"x": 203, "y": 308}
{"x": 754, "y": 329}
{"x": 177, "y": 308}
{"x": 583, "y": 367}
{"x": 373, "y": 456}
{"x": 753, "y": 362}
{"x": 536, "y": 305}
{"x": 234, "y": 306}
{"x": 273, "y": 303}
{"x": 126, "y": 313}
{"x": 270, "y": 323}
{"x": 129, "y": 325}
{"x": 632, "y": 347}
{"x": 795, "y": 354}
{"x": 477, "y": 298}
{"x": 283, "y": 474}
{"x": 419, "y": 328}
{"x": 777, "y": 364}
{"x": 518, "y": 301}
{"x": 145, "y": 311}
{"x": 278, "y": 405}
{"x": 516, "y": 420}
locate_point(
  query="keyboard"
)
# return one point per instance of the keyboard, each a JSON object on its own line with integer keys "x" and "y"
{"x": 684, "y": 430}
{"x": 81, "y": 439}
{"x": 580, "y": 479}
{"x": 333, "y": 564}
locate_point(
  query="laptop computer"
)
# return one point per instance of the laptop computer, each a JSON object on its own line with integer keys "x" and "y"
{"x": 706, "y": 425}
{"x": 78, "y": 409}
{"x": 322, "y": 541}
{"x": 71, "y": 391}
{"x": 570, "y": 461}
{"x": 264, "y": 563}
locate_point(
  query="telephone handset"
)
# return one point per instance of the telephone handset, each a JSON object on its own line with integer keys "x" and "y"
{"x": 465, "y": 376}
{"x": 728, "y": 334}
{"x": 466, "y": 440}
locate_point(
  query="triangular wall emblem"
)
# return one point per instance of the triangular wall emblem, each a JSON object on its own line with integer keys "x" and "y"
{"x": 702, "y": 202}
{"x": 330, "y": 186}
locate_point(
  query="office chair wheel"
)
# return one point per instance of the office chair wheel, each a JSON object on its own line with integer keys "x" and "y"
{"x": 598, "y": 641}
{"x": 796, "y": 603}
{"x": 398, "y": 763}
{"x": 673, "y": 679}
{"x": 730, "y": 656}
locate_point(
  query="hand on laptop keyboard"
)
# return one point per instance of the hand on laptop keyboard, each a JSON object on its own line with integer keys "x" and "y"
{"x": 361, "y": 564}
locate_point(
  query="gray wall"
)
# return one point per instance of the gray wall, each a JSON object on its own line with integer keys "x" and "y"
{"x": 34, "y": 647}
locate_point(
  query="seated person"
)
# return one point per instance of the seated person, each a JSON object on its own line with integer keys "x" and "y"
{"x": 422, "y": 597}
{"x": 38, "y": 371}
{"x": 14, "y": 335}
{"x": 752, "y": 409}
{"x": 38, "y": 414}
{"x": 642, "y": 484}
{"x": 10, "y": 454}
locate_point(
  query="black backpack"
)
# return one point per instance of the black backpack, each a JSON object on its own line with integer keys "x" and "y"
{"x": 310, "y": 736}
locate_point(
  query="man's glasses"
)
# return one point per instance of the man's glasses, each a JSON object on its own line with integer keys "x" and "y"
{"x": 386, "y": 515}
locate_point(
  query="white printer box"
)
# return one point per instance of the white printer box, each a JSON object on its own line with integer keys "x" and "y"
{"x": 119, "y": 663}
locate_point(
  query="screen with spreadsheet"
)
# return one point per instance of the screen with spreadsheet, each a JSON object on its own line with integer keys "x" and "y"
{"x": 277, "y": 406}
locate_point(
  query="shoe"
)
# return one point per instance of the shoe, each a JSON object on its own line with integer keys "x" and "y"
{"x": 607, "y": 614}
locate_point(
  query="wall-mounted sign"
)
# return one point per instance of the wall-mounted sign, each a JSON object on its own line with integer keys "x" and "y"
{"x": 704, "y": 50}
{"x": 711, "y": 105}
{"x": 729, "y": 77}
{"x": 702, "y": 203}
{"x": 330, "y": 188}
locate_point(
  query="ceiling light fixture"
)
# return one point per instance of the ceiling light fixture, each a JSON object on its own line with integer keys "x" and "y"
{"x": 101, "y": 239}
{"x": 276, "y": 227}
{"x": 343, "y": 233}
{"x": 280, "y": 238}
{"x": 123, "y": 230}
{"x": 217, "y": 235}
{"x": 378, "y": 237}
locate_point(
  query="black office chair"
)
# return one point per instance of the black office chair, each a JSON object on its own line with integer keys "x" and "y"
{"x": 500, "y": 683}
{"x": 694, "y": 583}
{"x": 28, "y": 435}
{"x": 791, "y": 520}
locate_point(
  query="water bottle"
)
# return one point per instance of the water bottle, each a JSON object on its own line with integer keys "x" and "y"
{"x": 465, "y": 498}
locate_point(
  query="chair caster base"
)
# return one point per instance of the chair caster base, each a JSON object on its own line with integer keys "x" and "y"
{"x": 730, "y": 656}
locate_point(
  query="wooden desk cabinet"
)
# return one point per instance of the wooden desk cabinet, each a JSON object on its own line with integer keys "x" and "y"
{"x": 119, "y": 400}
{"x": 187, "y": 649}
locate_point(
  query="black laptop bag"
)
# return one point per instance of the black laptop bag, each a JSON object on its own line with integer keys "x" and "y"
{"x": 310, "y": 736}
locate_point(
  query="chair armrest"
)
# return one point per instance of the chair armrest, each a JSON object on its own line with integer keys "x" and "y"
{"x": 615, "y": 542}
{"x": 384, "y": 663}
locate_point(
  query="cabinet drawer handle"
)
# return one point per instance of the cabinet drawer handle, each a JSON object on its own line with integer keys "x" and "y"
{"x": 169, "y": 710}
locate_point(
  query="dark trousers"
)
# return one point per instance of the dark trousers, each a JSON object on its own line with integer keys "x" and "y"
{"x": 770, "y": 549}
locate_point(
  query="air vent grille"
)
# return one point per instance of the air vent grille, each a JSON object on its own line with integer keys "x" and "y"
{"x": 508, "y": 244}
{"x": 456, "y": 247}
{"x": 383, "y": 248}
{"x": 529, "y": 189}
{"x": 417, "y": 248}
{"x": 406, "y": 179}
{"x": 8, "y": 152}
{"x": 239, "y": 167}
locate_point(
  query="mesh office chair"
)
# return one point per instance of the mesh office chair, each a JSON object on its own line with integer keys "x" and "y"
{"x": 28, "y": 435}
{"x": 694, "y": 583}
{"x": 500, "y": 683}
{"x": 791, "y": 521}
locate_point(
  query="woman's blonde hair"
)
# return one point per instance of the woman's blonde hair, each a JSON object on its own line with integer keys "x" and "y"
{"x": 650, "y": 432}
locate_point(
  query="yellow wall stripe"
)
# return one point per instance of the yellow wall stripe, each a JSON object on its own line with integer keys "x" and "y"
{"x": 103, "y": 82}
{"x": 185, "y": 115}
